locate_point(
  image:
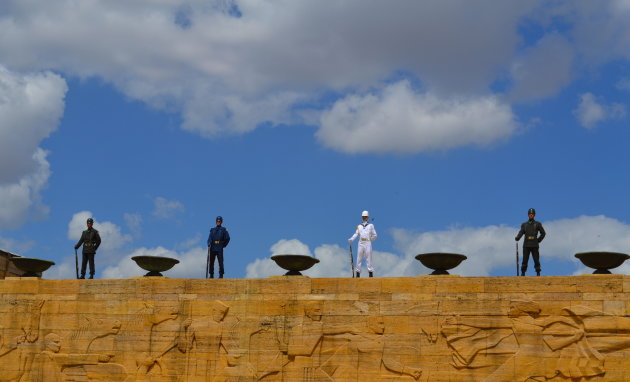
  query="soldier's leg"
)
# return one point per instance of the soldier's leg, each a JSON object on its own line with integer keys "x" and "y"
{"x": 92, "y": 268}
{"x": 536, "y": 257}
{"x": 213, "y": 255}
{"x": 84, "y": 261}
{"x": 360, "y": 256}
{"x": 368, "y": 258}
{"x": 525, "y": 259}
{"x": 221, "y": 270}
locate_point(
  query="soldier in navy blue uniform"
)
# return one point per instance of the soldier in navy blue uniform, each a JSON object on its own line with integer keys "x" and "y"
{"x": 91, "y": 240}
{"x": 217, "y": 240}
{"x": 531, "y": 229}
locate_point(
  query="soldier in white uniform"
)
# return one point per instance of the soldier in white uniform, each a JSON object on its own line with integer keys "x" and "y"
{"x": 367, "y": 234}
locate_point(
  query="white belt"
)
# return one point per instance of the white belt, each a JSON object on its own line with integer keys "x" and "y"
{"x": 364, "y": 239}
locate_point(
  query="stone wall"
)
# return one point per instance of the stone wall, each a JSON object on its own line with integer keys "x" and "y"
{"x": 428, "y": 328}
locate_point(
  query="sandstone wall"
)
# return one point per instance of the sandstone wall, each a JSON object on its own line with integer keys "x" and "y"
{"x": 428, "y": 328}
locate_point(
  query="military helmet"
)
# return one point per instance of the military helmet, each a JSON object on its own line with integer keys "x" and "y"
{"x": 219, "y": 219}
{"x": 365, "y": 213}
{"x": 531, "y": 211}
{"x": 90, "y": 221}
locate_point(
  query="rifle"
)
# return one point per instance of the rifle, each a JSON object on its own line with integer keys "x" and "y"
{"x": 207, "y": 262}
{"x": 351, "y": 262}
{"x": 517, "y": 258}
{"x": 76, "y": 262}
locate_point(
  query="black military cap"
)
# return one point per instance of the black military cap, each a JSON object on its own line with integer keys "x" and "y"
{"x": 531, "y": 211}
{"x": 90, "y": 220}
{"x": 219, "y": 219}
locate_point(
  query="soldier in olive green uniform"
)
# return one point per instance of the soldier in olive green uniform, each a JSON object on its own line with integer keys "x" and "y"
{"x": 531, "y": 229}
{"x": 91, "y": 241}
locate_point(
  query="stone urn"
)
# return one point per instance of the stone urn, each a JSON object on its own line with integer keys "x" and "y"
{"x": 155, "y": 264}
{"x": 602, "y": 261}
{"x": 32, "y": 267}
{"x": 440, "y": 262}
{"x": 294, "y": 264}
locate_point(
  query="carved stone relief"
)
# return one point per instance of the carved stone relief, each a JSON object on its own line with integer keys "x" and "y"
{"x": 193, "y": 338}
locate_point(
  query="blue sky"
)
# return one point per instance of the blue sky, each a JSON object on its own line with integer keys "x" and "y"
{"x": 446, "y": 120}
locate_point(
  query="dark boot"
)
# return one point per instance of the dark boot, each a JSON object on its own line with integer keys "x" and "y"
{"x": 522, "y": 273}
{"x": 82, "y": 277}
{"x": 371, "y": 274}
{"x": 537, "y": 273}
{"x": 91, "y": 277}
{"x": 220, "y": 275}
{"x": 211, "y": 275}
{"x": 358, "y": 274}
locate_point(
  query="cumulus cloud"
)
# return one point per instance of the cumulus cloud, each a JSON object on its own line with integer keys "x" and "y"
{"x": 31, "y": 106}
{"x": 399, "y": 119}
{"x": 233, "y": 65}
{"x": 134, "y": 223}
{"x": 334, "y": 261}
{"x": 492, "y": 247}
{"x": 590, "y": 112}
{"x": 543, "y": 69}
{"x": 191, "y": 264}
{"x": 166, "y": 209}
{"x": 111, "y": 234}
{"x": 487, "y": 249}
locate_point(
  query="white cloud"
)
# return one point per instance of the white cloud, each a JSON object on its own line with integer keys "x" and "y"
{"x": 487, "y": 248}
{"x": 398, "y": 119}
{"x": 589, "y": 112}
{"x": 191, "y": 264}
{"x": 21, "y": 200}
{"x": 31, "y": 106}
{"x": 134, "y": 223}
{"x": 166, "y": 209}
{"x": 227, "y": 73}
{"x": 334, "y": 261}
{"x": 111, "y": 235}
{"x": 542, "y": 70}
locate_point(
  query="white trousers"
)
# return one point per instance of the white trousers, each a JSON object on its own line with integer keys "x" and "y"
{"x": 365, "y": 252}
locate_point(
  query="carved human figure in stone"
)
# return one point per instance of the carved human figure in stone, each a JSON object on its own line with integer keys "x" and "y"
{"x": 49, "y": 365}
{"x": 202, "y": 340}
{"x": 134, "y": 346}
{"x": 304, "y": 349}
{"x": 546, "y": 347}
{"x": 19, "y": 349}
{"x": 375, "y": 361}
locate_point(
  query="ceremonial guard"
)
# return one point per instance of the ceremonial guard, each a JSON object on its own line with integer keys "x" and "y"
{"x": 217, "y": 240}
{"x": 91, "y": 240}
{"x": 367, "y": 234}
{"x": 531, "y": 229}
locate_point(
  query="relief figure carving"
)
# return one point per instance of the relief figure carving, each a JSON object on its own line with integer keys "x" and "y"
{"x": 543, "y": 347}
{"x": 51, "y": 365}
{"x": 202, "y": 340}
{"x": 134, "y": 345}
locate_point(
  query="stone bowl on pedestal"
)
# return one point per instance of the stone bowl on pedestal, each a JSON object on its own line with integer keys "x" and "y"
{"x": 602, "y": 261}
{"x": 440, "y": 262}
{"x": 32, "y": 267}
{"x": 155, "y": 264}
{"x": 294, "y": 264}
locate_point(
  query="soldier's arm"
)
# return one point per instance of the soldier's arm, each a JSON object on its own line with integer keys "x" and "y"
{"x": 209, "y": 238}
{"x": 356, "y": 233}
{"x": 226, "y": 238}
{"x": 542, "y": 232}
{"x": 520, "y": 233}
{"x": 97, "y": 238}
{"x": 373, "y": 235}
{"x": 78, "y": 244}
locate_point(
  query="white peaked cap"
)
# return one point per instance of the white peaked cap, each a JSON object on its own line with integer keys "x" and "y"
{"x": 365, "y": 213}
